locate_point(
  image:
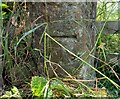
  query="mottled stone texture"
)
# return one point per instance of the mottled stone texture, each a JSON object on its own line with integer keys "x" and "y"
{"x": 72, "y": 25}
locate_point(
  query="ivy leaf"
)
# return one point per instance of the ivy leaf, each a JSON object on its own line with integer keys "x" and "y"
{"x": 59, "y": 86}
{"x": 15, "y": 91}
{"x": 37, "y": 85}
{"x": 7, "y": 94}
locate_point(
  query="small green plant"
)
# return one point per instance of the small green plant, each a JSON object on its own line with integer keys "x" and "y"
{"x": 42, "y": 87}
{"x": 13, "y": 93}
{"x": 4, "y": 6}
{"x": 38, "y": 84}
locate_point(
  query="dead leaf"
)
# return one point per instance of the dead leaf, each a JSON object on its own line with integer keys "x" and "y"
{"x": 100, "y": 92}
{"x": 14, "y": 22}
{"x": 20, "y": 28}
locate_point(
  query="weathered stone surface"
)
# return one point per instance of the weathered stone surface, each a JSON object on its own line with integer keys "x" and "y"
{"x": 72, "y": 25}
{"x": 65, "y": 20}
{"x": 110, "y": 26}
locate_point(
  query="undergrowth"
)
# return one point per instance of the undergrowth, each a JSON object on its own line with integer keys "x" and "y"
{"x": 22, "y": 66}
